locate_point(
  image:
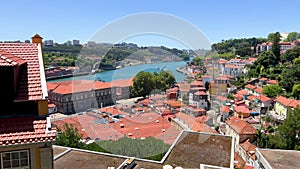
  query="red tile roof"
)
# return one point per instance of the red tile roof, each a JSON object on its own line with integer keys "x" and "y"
{"x": 197, "y": 83}
{"x": 225, "y": 109}
{"x": 263, "y": 98}
{"x": 24, "y": 130}
{"x": 221, "y": 98}
{"x": 249, "y": 148}
{"x": 71, "y": 121}
{"x": 241, "y": 109}
{"x": 201, "y": 93}
{"x": 202, "y": 127}
{"x": 240, "y": 126}
{"x": 259, "y": 90}
{"x": 30, "y": 86}
{"x": 75, "y": 86}
{"x": 242, "y": 92}
{"x": 272, "y": 81}
{"x": 288, "y": 102}
{"x": 263, "y": 79}
{"x": 122, "y": 82}
{"x": 251, "y": 98}
{"x": 173, "y": 103}
{"x": 7, "y": 59}
{"x": 232, "y": 66}
{"x": 250, "y": 86}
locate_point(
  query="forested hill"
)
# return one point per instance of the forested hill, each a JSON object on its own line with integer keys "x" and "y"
{"x": 243, "y": 46}
{"x": 108, "y": 56}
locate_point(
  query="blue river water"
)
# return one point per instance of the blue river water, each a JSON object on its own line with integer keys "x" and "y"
{"x": 131, "y": 71}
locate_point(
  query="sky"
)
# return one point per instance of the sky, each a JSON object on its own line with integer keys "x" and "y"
{"x": 215, "y": 19}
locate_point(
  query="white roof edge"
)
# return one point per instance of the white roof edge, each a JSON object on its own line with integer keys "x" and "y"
{"x": 42, "y": 72}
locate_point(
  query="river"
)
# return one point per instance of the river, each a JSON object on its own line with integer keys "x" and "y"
{"x": 130, "y": 71}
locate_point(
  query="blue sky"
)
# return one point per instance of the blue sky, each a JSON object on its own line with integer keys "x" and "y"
{"x": 217, "y": 19}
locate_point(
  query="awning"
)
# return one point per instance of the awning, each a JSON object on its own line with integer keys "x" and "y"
{"x": 254, "y": 113}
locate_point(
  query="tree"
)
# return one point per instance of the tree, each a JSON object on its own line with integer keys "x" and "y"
{"x": 68, "y": 136}
{"x": 296, "y": 61}
{"x": 287, "y": 136}
{"x": 266, "y": 59}
{"x": 145, "y": 82}
{"x": 291, "y": 54}
{"x": 272, "y": 90}
{"x": 206, "y": 85}
{"x": 142, "y": 84}
{"x": 292, "y": 36}
{"x": 275, "y": 39}
{"x": 290, "y": 76}
{"x": 296, "y": 91}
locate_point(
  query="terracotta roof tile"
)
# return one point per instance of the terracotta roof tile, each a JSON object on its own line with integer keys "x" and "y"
{"x": 250, "y": 86}
{"x": 30, "y": 82}
{"x": 240, "y": 126}
{"x": 197, "y": 83}
{"x": 201, "y": 93}
{"x": 263, "y": 98}
{"x": 75, "y": 86}
{"x": 225, "y": 109}
{"x": 122, "y": 82}
{"x": 259, "y": 90}
{"x": 7, "y": 59}
{"x": 242, "y": 92}
{"x": 24, "y": 130}
{"x": 249, "y": 148}
{"x": 287, "y": 102}
{"x": 221, "y": 98}
{"x": 272, "y": 81}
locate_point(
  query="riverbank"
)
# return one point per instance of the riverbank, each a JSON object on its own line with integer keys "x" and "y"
{"x": 129, "y": 71}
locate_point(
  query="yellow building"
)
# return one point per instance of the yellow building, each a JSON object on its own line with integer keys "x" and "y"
{"x": 218, "y": 87}
{"x": 214, "y": 72}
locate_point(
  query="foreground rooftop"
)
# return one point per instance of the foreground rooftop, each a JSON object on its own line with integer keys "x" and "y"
{"x": 189, "y": 151}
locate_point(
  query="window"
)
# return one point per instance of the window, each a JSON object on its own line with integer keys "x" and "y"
{"x": 15, "y": 159}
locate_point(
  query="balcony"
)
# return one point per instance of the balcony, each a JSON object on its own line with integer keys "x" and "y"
{"x": 274, "y": 115}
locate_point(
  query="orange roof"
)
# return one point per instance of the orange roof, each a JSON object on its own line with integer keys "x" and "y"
{"x": 24, "y": 130}
{"x": 232, "y": 66}
{"x": 189, "y": 120}
{"x": 287, "y": 102}
{"x": 252, "y": 59}
{"x": 200, "y": 93}
{"x": 30, "y": 83}
{"x": 112, "y": 110}
{"x": 249, "y": 148}
{"x": 173, "y": 103}
{"x": 225, "y": 109}
{"x": 240, "y": 126}
{"x": 251, "y": 98}
{"x": 263, "y": 98}
{"x": 52, "y": 85}
{"x": 250, "y": 86}
{"x": 263, "y": 79}
{"x": 202, "y": 127}
{"x": 259, "y": 90}
{"x": 242, "y": 92}
{"x": 71, "y": 121}
{"x": 221, "y": 98}
{"x": 197, "y": 83}
{"x": 272, "y": 81}
{"x": 241, "y": 109}
{"x": 7, "y": 59}
{"x": 75, "y": 86}
{"x": 122, "y": 82}
{"x": 202, "y": 119}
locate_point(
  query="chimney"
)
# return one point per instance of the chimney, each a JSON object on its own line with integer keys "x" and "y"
{"x": 37, "y": 39}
